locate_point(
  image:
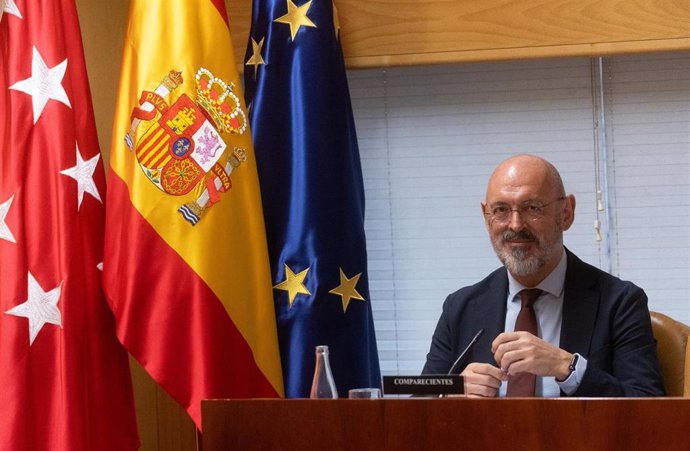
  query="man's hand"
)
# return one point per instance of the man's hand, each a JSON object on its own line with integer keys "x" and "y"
{"x": 522, "y": 352}
{"x": 482, "y": 380}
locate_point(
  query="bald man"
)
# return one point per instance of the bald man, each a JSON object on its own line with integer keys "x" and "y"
{"x": 590, "y": 332}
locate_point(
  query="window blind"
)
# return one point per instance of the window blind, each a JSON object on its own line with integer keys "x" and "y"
{"x": 647, "y": 102}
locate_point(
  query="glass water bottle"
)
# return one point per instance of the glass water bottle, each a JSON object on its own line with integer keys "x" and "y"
{"x": 323, "y": 385}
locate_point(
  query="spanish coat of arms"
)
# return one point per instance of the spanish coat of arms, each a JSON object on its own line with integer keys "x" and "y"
{"x": 179, "y": 146}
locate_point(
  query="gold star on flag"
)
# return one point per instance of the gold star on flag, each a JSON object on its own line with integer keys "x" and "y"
{"x": 296, "y": 17}
{"x": 256, "y": 59}
{"x": 347, "y": 289}
{"x": 336, "y": 21}
{"x": 293, "y": 284}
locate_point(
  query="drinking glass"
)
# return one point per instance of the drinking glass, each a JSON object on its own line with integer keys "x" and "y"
{"x": 364, "y": 393}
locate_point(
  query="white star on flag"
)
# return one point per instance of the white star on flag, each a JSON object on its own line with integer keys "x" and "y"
{"x": 40, "y": 308}
{"x": 44, "y": 84}
{"x": 5, "y": 232}
{"x": 10, "y": 7}
{"x": 83, "y": 174}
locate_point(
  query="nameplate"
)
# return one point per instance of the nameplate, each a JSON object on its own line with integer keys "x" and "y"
{"x": 428, "y": 384}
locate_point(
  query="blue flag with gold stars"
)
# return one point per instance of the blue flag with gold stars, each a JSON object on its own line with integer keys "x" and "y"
{"x": 312, "y": 192}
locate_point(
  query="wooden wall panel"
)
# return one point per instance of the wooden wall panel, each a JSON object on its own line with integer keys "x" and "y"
{"x": 103, "y": 29}
{"x": 404, "y": 32}
{"x": 163, "y": 424}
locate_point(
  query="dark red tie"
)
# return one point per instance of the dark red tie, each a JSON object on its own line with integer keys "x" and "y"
{"x": 523, "y": 384}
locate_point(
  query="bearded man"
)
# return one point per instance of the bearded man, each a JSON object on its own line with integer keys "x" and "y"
{"x": 553, "y": 325}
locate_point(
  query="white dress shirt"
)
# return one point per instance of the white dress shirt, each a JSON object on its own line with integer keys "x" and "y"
{"x": 549, "y": 311}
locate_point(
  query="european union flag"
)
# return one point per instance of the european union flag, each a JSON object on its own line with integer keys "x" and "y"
{"x": 312, "y": 191}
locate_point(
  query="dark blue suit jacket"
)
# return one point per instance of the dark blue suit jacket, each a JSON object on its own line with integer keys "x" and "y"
{"x": 605, "y": 320}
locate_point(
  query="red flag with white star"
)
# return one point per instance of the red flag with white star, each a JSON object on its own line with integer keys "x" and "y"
{"x": 64, "y": 377}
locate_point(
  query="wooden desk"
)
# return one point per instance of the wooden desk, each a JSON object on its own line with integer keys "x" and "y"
{"x": 657, "y": 424}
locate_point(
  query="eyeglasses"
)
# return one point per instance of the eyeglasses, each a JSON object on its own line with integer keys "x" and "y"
{"x": 528, "y": 211}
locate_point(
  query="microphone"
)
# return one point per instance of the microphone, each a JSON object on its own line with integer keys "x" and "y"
{"x": 461, "y": 359}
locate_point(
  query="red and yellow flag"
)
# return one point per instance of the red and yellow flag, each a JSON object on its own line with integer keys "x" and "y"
{"x": 186, "y": 265}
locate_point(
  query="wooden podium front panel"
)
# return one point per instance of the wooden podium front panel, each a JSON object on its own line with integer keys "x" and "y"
{"x": 302, "y": 424}
{"x": 447, "y": 424}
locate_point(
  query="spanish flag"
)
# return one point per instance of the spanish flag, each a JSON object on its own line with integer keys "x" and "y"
{"x": 186, "y": 264}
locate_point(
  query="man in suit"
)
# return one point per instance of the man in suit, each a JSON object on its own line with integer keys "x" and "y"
{"x": 590, "y": 332}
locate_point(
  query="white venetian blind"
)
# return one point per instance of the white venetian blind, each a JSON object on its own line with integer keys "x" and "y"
{"x": 647, "y": 104}
{"x": 430, "y": 136}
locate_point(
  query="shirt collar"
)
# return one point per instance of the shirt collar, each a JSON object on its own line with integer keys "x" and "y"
{"x": 552, "y": 284}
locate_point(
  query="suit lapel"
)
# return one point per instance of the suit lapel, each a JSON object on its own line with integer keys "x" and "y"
{"x": 488, "y": 311}
{"x": 580, "y": 306}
